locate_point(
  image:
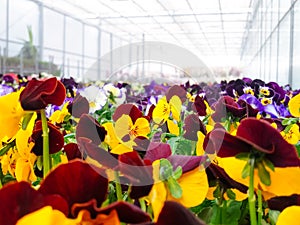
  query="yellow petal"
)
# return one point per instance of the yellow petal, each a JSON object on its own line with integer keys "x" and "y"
{"x": 294, "y": 105}
{"x": 289, "y": 216}
{"x": 173, "y": 127}
{"x": 11, "y": 113}
{"x": 194, "y": 186}
{"x": 24, "y": 170}
{"x": 210, "y": 193}
{"x": 284, "y": 181}
{"x": 44, "y": 216}
{"x": 175, "y": 104}
{"x": 161, "y": 111}
{"x": 199, "y": 147}
{"x": 141, "y": 127}
{"x": 123, "y": 126}
{"x": 121, "y": 149}
{"x": 111, "y": 138}
{"x": 157, "y": 197}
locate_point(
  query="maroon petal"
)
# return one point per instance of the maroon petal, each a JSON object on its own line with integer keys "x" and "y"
{"x": 56, "y": 139}
{"x": 176, "y": 214}
{"x": 72, "y": 151}
{"x": 178, "y": 91}
{"x": 127, "y": 109}
{"x": 157, "y": 150}
{"x": 281, "y": 202}
{"x": 186, "y": 162}
{"x": 89, "y": 127}
{"x": 265, "y": 138}
{"x": 79, "y": 106}
{"x": 76, "y": 182}
{"x": 127, "y": 213}
{"x": 192, "y": 124}
{"x": 139, "y": 174}
{"x": 99, "y": 154}
{"x": 19, "y": 199}
{"x": 199, "y": 106}
{"x": 224, "y": 144}
{"x": 214, "y": 172}
{"x": 38, "y": 94}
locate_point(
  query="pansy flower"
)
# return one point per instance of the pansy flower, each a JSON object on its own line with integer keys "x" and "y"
{"x": 188, "y": 189}
{"x": 89, "y": 127}
{"x": 82, "y": 189}
{"x": 131, "y": 128}
{"x": 38, "y": 94}
{"x": 56, "y": 139}
{"x": 95, "y": 96}
{"x": 11, "y": 113}
{"x": 79, "y": 106}
{"x": 294, "y": 105}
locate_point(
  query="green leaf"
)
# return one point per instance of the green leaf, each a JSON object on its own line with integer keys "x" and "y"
{"x": 269, "y": 164}
{"x": 298, "y": 149}
{"x": 26, "y": 120}
{"x": 6, "y": 148}
{"x": 205, "y": 214}
{"x": 273, "y": 216}
{"x": 177, "y": 173}
{"x": 165, "y": 169}
{"x": 230, "y": 194}
{"x": 70, "y": 138}
{"x": 174, "y": 188}
{"x": 263, "y": 174}
{"x": 243, "y": 156}
{"x": 39, "y": 162}
{"x": 183, "y": 147}
{"x": 246, "y": 171}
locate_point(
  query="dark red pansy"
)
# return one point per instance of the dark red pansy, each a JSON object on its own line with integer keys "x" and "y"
{"x": 138, "y": 172}
{"x": 56, "y": 139}
{"x": 87, "y": 147}
{"x": 227, "y": 104}
{"x": 77, "y": 182}
{"x": 19, "y": 199}
{"x": 127, "y": 109}
{"x": 216, "y": 173}
{"x": 89, "y": 127}
{"x": 38, "y": 94}
{"x": 192, "y": 124}
{"x": 79, "y": 106}
{"x": 178, "y": 91}
{"x": 158, "y": 150}
{"x": 72, "y": 151}
{"x": 281, "y": 202}
{"x": 199, "y": 106}
{"x": 163, "y": 151}
{"x": 176, "y": 214}
{"x": 254, "y": 134}
{"x": 127, "y": 213}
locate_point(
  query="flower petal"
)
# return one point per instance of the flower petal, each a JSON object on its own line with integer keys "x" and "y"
{"x": 77, "y": 182}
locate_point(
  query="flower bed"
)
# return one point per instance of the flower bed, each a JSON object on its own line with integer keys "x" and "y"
{"x": 102, "y": 153}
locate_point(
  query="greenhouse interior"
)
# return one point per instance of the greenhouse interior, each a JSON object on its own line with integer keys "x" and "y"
{"x": 149, "y": 112}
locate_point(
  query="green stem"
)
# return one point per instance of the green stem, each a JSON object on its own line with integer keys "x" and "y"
{"x": 143, "y": 205}
{"x": 118, "y": 187}
{"x": 46, "y": 154}
{"x": 251, "y": 194}
{"x": 260, "y": 209}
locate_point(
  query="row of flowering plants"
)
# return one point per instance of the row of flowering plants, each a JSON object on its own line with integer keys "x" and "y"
{"x": 103, "y": 153}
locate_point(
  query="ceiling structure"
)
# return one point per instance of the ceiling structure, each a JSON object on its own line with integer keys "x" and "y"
{"x": 213, "y": 30}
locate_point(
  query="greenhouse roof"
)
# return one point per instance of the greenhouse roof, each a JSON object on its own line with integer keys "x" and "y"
{"x": 212, "y": 29}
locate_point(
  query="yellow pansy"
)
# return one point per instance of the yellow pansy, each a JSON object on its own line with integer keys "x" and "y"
{"x": 194, "y": 185}
{"x": 11, "y": 113}
{"x": 201, "y": 136}
{"x": 282, "y": 179}
{"x": 126, "y": 131}
{"x": 164, "y": 109}
{"x": 292, "y": 135}
{"x": 290, "y": 216}
{"x": 59, "y": 115}
{"x": 294, "y": 105}
{"x": 49, "y": 216}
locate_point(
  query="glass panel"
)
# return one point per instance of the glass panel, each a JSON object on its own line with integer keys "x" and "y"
{"x": 296, "y": 57}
